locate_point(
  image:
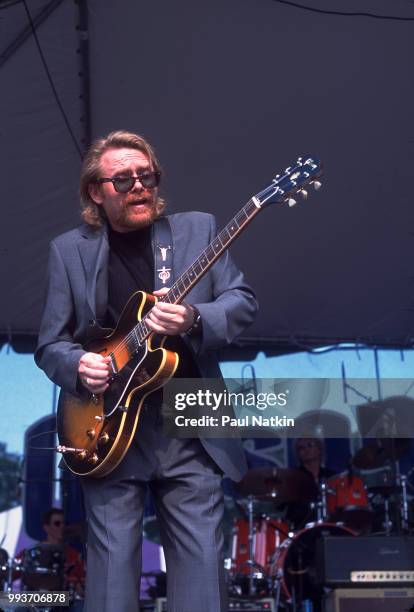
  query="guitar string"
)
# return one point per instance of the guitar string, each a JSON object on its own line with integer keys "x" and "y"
{"x": 190, "y": 271}
{"x": 247, "y": 212}
{"x": 240, "y": 222}
{"x": 244, "y": 215}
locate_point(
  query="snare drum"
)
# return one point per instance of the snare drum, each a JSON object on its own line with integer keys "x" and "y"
{"x": 294, "y": 564}
{"x": 267, "y": 537}
{"x": 347, "y": 502}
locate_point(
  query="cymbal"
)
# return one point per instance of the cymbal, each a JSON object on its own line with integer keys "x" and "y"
{"x": 282, "y": 485}
{"x": 377, "y": 453}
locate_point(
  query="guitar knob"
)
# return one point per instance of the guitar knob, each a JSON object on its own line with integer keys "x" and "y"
{"x": 316, "y": 185}
{"x": 82, "y": 454}
{"x": 103, "y": 439}
{"x": 291, "y": 202}
{"x": 93, "y": 459}
{"x": 90, "y": 433}
{"x": 304, "y": 194}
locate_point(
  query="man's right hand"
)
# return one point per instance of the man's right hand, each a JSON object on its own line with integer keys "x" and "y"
{"x": 94, "y": 372}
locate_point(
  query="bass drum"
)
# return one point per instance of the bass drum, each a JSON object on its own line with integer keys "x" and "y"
{"x": 294, "y": 562}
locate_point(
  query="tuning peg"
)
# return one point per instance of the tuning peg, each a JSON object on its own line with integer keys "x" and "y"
{"x": 316, "y": 185}
{"x": 291, "y": 202}
{"x": 303, "y": 193}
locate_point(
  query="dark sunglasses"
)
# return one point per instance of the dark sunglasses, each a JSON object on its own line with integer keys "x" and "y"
{"x": 123, "y": 184}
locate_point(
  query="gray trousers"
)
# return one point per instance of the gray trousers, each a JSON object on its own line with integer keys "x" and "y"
{"x": 186, "y": 488}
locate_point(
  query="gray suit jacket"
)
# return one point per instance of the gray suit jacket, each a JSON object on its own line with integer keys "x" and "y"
{"x": 76, "y": 305}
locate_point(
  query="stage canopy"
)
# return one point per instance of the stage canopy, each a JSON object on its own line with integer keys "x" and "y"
{"x": 229, "y": 93}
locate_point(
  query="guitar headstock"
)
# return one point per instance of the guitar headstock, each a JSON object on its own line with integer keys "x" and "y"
{"x": 284, "y": 187}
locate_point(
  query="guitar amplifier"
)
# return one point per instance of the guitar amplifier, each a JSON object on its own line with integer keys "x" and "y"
{"x": 365, "y": 561}
{"x": 377, "y": 600}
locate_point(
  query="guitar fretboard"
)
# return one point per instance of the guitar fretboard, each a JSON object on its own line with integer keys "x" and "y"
{"x": 199, "y": 267}
{"x": 283, "y": 187}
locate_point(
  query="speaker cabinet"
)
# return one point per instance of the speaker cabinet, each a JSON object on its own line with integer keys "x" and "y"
{"x": 364, "y": 600}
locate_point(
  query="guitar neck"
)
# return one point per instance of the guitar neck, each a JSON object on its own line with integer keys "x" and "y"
{"x": 281, "y": 190}
{"x": 211, "y": 253}
{"x": 205, "y": 260}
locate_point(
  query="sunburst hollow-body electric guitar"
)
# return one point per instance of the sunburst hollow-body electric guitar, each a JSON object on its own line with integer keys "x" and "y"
{"x": 95, "y": 431}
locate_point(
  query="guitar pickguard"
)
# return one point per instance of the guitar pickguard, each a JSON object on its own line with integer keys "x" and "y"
{"x": 129, "y": 377}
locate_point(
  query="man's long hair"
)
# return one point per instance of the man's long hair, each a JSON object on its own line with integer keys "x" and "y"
{"x": 92, "y": 213}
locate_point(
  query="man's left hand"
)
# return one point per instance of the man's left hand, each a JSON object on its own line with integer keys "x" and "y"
{"x": 170, "y": 319}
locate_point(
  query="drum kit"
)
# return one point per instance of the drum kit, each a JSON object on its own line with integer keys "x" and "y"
{"x": 270, "y": 554}
{"x": 272, "y": 557}
{"x": 40, "y": 568}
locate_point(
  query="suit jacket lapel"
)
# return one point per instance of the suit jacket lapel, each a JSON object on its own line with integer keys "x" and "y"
{"x": 94, "y": 252}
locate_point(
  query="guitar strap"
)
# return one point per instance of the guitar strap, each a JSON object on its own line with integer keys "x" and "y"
{"x": 163, "y": 253}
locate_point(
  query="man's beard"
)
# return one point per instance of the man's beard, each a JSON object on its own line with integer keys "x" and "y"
{"x": 127, "y": 218}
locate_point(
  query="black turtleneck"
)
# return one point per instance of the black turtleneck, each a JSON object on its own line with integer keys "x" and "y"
{"x": 131, "y": 268}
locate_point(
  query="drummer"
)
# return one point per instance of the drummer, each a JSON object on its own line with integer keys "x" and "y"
{"x": 310, "y": 455}
{"x": 74, "y": 569}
